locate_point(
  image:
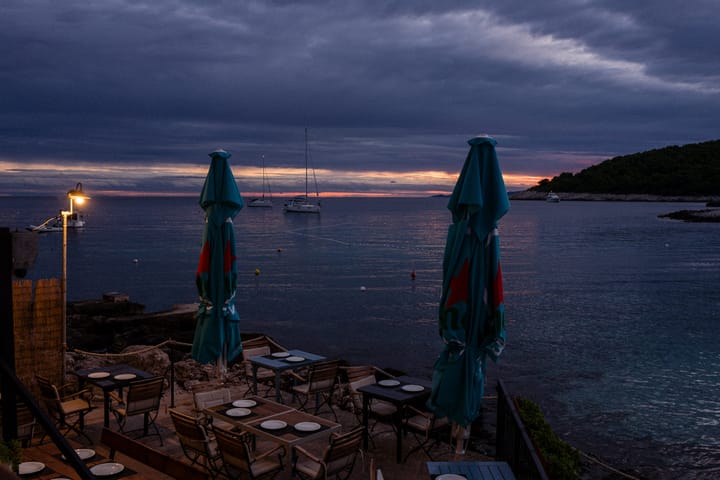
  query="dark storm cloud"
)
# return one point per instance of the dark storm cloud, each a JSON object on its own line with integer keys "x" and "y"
{"x": 384, "y": 86}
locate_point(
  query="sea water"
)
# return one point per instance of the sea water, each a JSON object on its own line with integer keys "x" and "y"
{"x": 612, "y": 313}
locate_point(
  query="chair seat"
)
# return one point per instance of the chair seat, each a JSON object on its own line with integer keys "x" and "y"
{"x": 382, "y": 408}
{"x": 423, "y": 423}
{"x": 264, "y": 466}
{"x": 75, "y": 406}
{"x": 308, "y": 468}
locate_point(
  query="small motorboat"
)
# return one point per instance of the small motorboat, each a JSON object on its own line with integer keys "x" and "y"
{"x": 55, "y": 224}
{"x": 552, "y": 197}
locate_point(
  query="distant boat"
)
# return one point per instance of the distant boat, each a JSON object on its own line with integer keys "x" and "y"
{"x": 552, "y": 197}
{"x": 263, "y": 201}
{"x": 55, "y": 224}
{"x": 300, "y": 203}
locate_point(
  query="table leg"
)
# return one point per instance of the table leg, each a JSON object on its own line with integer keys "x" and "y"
{"x": 254, "y": 370}
{"x": 106, "y": 405}
{"x": 366, "y": 407}
{"x": 398, "y": 436}
{"x": 278, "y": 397}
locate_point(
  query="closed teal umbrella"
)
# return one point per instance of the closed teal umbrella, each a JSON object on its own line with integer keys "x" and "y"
{"x": 472, "y": 313}
{"x": 217, "y": 333}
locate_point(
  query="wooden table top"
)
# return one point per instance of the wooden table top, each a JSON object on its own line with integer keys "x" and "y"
{"x": 56, "y": 467}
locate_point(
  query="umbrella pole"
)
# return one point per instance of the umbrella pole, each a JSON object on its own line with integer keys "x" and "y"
{"x": 222, "y": 364}
{"x": 462, "y": 436}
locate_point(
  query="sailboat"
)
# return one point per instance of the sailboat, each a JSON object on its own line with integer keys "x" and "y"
{"x": 262, "y": 201}
{"x": 301, "y": 204}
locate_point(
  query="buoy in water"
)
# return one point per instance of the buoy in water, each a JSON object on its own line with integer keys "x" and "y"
{"x": 362, "y": 289}
{"x": 412, "y": 274}
{"x": 257, "y": 271}
{"x": 135, "y": 260}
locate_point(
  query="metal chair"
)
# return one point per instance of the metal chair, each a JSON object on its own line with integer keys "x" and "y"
{"x": 195, "y": 442}
{"x": 67, "y": 409}
{"x": 381, "y": 411}
{"x": 142, "y": 398}
{"x": 239, "y": 460}
{"x": 425, "y": 427}
{"x": 338, "y": 458}
{"x": 322, "y": 378}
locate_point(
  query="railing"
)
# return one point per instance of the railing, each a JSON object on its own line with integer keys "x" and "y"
{"x": 513, "y": 445}
{"x": 9, "y": 403}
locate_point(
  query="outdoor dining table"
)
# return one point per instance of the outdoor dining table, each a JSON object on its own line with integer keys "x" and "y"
{"x": 51, "y": 464}
{"x": 292, "y": 433}
{"x": 290, "y": 360}
{"x": 109, "y": 378}
{"x": 471, "y": 470}
{"x": 399, "y": 396}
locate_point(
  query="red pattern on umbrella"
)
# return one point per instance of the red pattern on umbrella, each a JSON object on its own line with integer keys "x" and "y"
{"x": 459, "y": 286}
{"x": 204, "y": 263}
{"x": 498, "y": 297}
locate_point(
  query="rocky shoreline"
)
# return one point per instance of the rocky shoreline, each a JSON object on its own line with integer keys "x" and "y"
{"x": 709, "y": 215}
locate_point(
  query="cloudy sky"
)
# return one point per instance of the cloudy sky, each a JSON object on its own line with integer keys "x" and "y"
{"x": 131, "y": 95}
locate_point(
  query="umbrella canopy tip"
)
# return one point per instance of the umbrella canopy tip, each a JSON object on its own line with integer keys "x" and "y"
{"x": 220, "y": 153}
{"x": 482, "y": 138}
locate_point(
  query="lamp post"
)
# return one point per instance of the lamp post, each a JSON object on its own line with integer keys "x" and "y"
{"x": 75, "y": 196}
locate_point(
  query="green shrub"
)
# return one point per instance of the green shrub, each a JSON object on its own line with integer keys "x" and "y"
{"x": 11, "y": 453}
{"x": 562, "y": 461}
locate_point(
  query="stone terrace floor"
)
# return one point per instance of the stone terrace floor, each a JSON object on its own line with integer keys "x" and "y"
{"x": 383, "y": 451}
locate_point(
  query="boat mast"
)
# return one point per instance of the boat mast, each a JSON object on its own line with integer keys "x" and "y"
{"x": 306, "y": 164}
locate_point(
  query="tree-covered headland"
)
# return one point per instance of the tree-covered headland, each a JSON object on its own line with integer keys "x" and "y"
{"x": 689, "y": 170}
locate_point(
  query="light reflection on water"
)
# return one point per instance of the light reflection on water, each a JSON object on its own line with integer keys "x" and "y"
{"x": 612, "y": 313}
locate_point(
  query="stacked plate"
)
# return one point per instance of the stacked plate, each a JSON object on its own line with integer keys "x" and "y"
{"x": 238, "y": 412}
{"x": 107, "y": 469}
{"x": 273, "y": 425}
{"x": 28, "y": 468}
{"x": 307, "y": 427}
{"x": 413, "y": 388}
{"x": 388, "y": 383}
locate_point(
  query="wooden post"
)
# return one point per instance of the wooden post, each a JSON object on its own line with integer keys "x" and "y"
{"x": 7, "y": 335}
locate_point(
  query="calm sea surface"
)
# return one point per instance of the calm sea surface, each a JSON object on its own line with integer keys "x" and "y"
{"x": 613, "y": 314}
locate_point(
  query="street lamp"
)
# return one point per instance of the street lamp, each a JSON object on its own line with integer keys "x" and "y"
{"x": 76, "y": 196}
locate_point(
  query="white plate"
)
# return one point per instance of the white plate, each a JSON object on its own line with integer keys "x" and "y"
{"x": 307, "y": 426}
{"x": 413, "y": 388}
{"x": 28, "y": 468}
{"x": 125, "y": 376}
{"x": 388, "y": 383}
{"x": 244, "y": 403}
{"x": 238, "y": 412}
{"x": 273, "y": 424}
{"x": 295, "y": 359}
{"x": 107, "y": 469}
{"x": 281, "y": 354}
{"x": 450, "y": 476}
{"x": 83, "y": 453}
{"x": 99, "y": 375}
{"x": 60, "y": 478}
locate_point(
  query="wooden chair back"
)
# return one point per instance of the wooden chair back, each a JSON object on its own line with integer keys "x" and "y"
{"x": 150, "y": 457}
{"x": 322, "y": 376}
{"x": 143, "y": 396}
{"x": 235, "y": 450}
{"x": 192, "y": 435}
{"x": 342, "y": 452}
{"x": 211, "y": 398}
